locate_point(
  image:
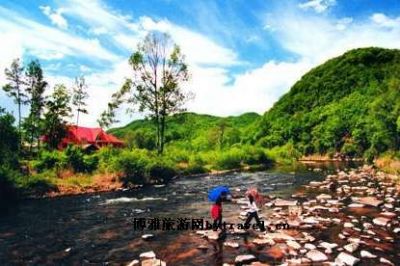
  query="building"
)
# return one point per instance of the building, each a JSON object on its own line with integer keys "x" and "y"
{"x": 89, "y": 138}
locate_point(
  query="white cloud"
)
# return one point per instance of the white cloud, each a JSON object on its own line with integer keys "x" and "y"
{"x": 55, "y": 16}
{"x": 48, "y": 42}
{"x": 318, "y": 6}
{"x": 385, "y": 21}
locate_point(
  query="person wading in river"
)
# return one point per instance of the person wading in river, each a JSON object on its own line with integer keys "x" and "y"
{"x": 216, "y": 214}
{"x": 252, "y": 211}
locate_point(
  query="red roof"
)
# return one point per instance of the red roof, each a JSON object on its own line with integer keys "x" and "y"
{"x": 89, "y": 135}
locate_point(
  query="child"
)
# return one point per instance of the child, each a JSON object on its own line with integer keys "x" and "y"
{"x": 252, "y": 213}
{"x": 216, "y": 214}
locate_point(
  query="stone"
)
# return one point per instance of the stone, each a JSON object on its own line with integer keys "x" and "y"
{"x": 372, "y": 201}
{"x": 327, "y": 245}
{"x": 133, "y": 263}
{"x": 310, "y": 246}
{"x": 324, "y": 197}
{"x": 231, "y": 244}
{"x": 367, "y": 254}
{"x": 346, "y": 259}
{"x": 278, "y": 236}
{"x": 277, "y": 252}
{"x": 348, "y": 225}
{"x": 202, "y": 247}
{"x": 356, "y": 205}
{"x": 285, "y": 203}
{"x": 293, "y": 244}
{"x": 153, "y": 262}
{"x": 310, "y": 220}
{"x": 257, "y": 263}
{"x": 147, "y": 255}
{"x": 386, "y": 261}
{"x": 244, "y": 258}
{"x": 147, "y": 236}
{"x": 265, "y": 241}
{"x": 396, "y": 230}
{"x": 316, "y": 256}
{"x": 351, "y": 247}
{"x": 388, "y": 214}
{"x": 381, "y": 221}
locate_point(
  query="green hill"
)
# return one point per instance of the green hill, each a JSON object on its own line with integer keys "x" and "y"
{"x": 190, "y": 131}
{"x": 349, "y": 104}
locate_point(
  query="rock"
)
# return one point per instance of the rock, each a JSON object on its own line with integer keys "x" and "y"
{"x": 285, "y": 203}
{"x": 245, "y": 258}
{"x": 147, "y": 236}
{"x": 310, "y": 220}
{"x": 153, "y": 262}
{"x": 67, "y": 249}
{"x": 257, "y": 263}
{"x": 231, "y": 244}
{"x": 367, "y": 254}
{"x": 372, "y": 201}
{"x": 310, "y": 246}
{"x": 278, "y": 236}
{"x": 323, "y": 197}
{"x": 386, "y": 261}
{"x": 351, "y": 247}
{"x": 293, "y": 244}
{"x": 214, "y": 235}
{"x": 346, "y": 259}
{"x": 396, "y": 230}
{"x": 388, "y": 214}
{"x": 356, "y": 205}
{"x": 381, "y": 221}
{"x": 202, "y": 247}
{"x": 327, "y": 245}
{"x": 277, "y": 252}
{"x": 316, "y": 256}
{"x": 133, "y": 263}
{"x": 265, "y": 241}
{"x": 303, "y": 251}
{"x": 348, "y": 225}
{"x": 147, "y": 255}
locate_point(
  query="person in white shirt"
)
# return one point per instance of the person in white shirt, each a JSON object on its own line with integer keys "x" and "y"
{"x": 252, "y": 212}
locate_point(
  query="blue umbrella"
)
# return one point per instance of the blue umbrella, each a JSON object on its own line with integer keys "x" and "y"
{"x": 216, "y": 192}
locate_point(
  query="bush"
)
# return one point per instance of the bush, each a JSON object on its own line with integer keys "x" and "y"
{"x": 229, "y": 159}
{"x": 8, "y": 191}
{"x": 132, "y": 164}
{"x": 48, "y": 160}
{"x": 160, "y": 171}
{"x": 78, "y": 161}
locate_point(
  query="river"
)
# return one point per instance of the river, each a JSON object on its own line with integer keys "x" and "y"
{"x": 98, "y": 229}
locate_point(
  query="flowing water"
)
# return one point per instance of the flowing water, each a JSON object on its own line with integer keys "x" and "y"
{"x": 98, "y": 229}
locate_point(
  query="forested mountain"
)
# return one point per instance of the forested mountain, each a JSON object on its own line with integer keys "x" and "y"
{"x": 350, "y": 104}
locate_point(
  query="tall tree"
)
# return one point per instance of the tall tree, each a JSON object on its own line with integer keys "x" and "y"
{"x": 14, "y": 87}
{"x": 159, "y": 68}
{"x": 79, "y": 96}
{"x": 35, "y": 87}
{"x": 58, "y": 110}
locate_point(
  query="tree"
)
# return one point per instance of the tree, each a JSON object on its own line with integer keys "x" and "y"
{"x": 79, "y": 96}
{"x": 35, "y": 87}
{"x": 159, "y": 68}
{"x": 13, "y": 88}
{"x": 9, "y": 141}
{"x": 58, "y": 110}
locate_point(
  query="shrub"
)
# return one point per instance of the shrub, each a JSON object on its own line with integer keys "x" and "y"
{"x": 8, "y": 191}
{"x": 160, "y": 171}
{"x": 132, "y": 164}
{"x": 78, "y": 161}
{"x": 49, "y": 160}
{"x": 229, "y": 159}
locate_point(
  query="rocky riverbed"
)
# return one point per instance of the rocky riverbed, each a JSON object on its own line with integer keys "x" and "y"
{"x": 350, "y": 218}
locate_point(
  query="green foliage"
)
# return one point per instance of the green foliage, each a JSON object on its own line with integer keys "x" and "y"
{"x": 49, "y": 160}
{"x": 349, "y": 104}
{"x": 133, "y": 164}
{"x": 8, "y": 141}
{"x": 8, "y": 190}
{"x": 78, "y": 161}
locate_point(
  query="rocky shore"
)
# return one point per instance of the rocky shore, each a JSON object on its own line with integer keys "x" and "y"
{"x": 350, "y": 218}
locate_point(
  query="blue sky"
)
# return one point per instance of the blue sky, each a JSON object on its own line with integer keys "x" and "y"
{"x": 242, "y": 55}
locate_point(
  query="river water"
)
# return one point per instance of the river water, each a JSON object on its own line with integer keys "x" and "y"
{"x": 98, "y": 229}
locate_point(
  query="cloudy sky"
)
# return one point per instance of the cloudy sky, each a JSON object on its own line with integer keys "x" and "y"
{"x": 242, "y": 55}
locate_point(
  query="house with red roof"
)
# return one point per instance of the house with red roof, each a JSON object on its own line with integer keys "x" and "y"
{"x": 89, "y": 138}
